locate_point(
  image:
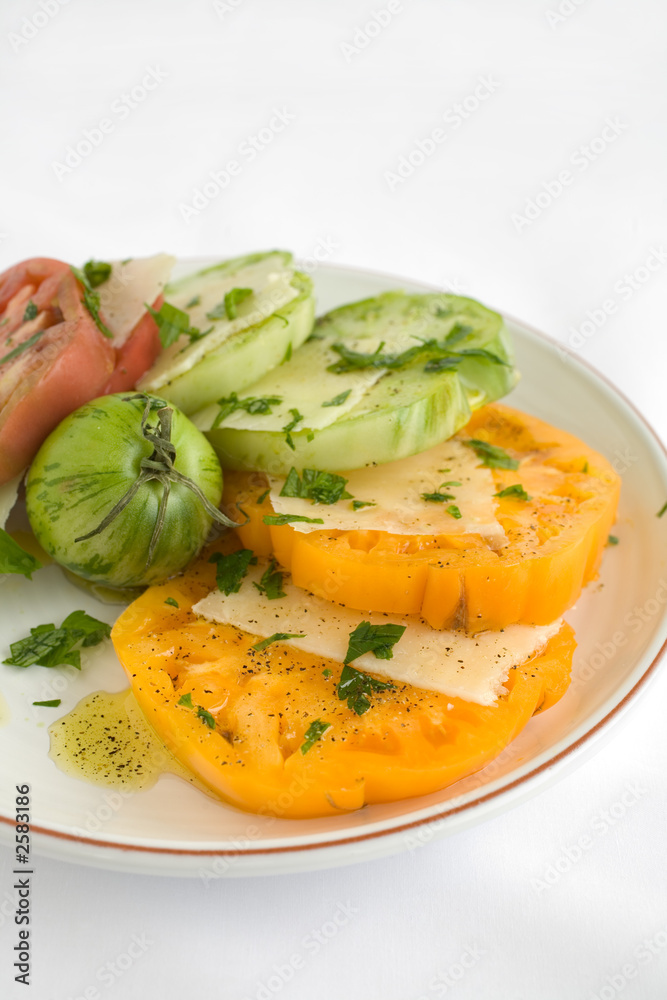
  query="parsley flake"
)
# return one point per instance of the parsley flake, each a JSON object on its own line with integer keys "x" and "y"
{"x": 48, "y": 646}
{"x": 339, "y": 399}
{"x": 91, "y": 300}
{"x": 97, "y": 272}
{"x": 319, "y": 487}
{"x": 612, "y": 540}
{"x": 231, "y": 569}
{"x": 22, "y": 347}
{"x": 251, "y": 404}
{"x": 662, "y": 510}
{"x": 186, "y": 700}
{"x": 288, "y": 428}
{"x": 354, "y": 687}
{"x": 271, "y": 583}
{"x": 231, "y": 301}
{"x": 454, "y": 511}
{"x": 31, "y": 312}
{"x": 315, "y": 732}
{"x": 14, "y": 559}
{"x": 280, "y": 519}
{"x": 205, "y": 716}
{"x": 53, "y": 703}
{"x": 358, "y": 504}
{"x": 376, "y": 639}
{"x": 277, "y": 637}
{"x": 173, "y": 323}
{"x": 514, "y": 492}
{"x": 491, "y": 456}
{"x": 173, "y": 603}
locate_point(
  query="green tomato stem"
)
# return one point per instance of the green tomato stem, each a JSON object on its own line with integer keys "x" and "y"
{"x": 158, "y": 466}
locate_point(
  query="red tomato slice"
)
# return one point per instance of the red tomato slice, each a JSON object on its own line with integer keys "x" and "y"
{"x": 137, "y": 354}
{"x": 65, "y": 362}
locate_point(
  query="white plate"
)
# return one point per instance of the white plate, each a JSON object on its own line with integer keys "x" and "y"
{"x": 621, "y": 624}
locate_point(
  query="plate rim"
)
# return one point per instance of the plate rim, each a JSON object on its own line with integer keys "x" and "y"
{"x": 117, "y": 850}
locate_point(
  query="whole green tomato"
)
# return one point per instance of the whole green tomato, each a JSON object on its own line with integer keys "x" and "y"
{"x": 124, "y": 491}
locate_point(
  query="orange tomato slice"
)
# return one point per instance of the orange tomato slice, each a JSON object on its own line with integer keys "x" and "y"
{"x": 554, "y": 541}
{"x": 410, "y": 742}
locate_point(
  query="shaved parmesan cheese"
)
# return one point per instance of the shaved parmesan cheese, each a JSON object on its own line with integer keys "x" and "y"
{"x": 130, "y": 286}
{"x": 8, "y": 494}
{"x": 396, "y": 488}
{"x": 455, "y": 664}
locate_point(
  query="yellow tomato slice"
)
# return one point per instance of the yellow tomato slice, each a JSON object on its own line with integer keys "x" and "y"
{"x": 554, "y": 541}
{"x": 261, "y": 704}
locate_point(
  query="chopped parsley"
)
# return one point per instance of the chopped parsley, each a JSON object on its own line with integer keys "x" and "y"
{"x": 53, "y": 703}
{"x": 31, "y": 312}
{"x": 662, "y": 510}
{"x": 376, "y": 639}
{"x": 443, "y": 357}
{"x": 14, "y": 559}
{"x": 437, "y": 497}
{"x": 288, "y": 353}
{"x": 251, "y": 404}
{"x": 48, "y": 646}
{"x": 202, "y": 713}
{"x": 97, "y": 272}
{"x": 288, "y": 428}
{"x": 194, "y": 301}
{"x": 355, "y": 686}
{"x": 279, "y": 519}
{"x": 263, "y": 496}
{"x": 515, "y": 492}
{"x": 205, "y": 716}
{"x": 315, "y": 732}
{"x": 339, "y": 399}
{"x": 612, "y": 540}
{"x": 317, "y": 486}
{"x": 277, "y": 637}
{"x": 22, "y": 347}
{"x": 232, "y": 299}
{"x": 91, "y": 300}
{"x": 271, "y": 583}
{"x": 173, "y": 323}
{"x": 231, "y": 569}
{"x": 327, "y": 673}
{"x": 454, "y": 511}
{"x": 358, "y": 504}
{"x": 492, "y": 457}
{"x": 173, "y": 603}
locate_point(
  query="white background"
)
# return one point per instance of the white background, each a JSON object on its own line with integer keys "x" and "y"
{"x": 355, "y": 105}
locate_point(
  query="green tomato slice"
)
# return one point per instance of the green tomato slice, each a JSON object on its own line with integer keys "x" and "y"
{"x": 250, "y": 312}
{"x": 377, "y": 381}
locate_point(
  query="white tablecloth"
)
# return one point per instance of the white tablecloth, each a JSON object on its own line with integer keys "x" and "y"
{"x": 514, "y": 151}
